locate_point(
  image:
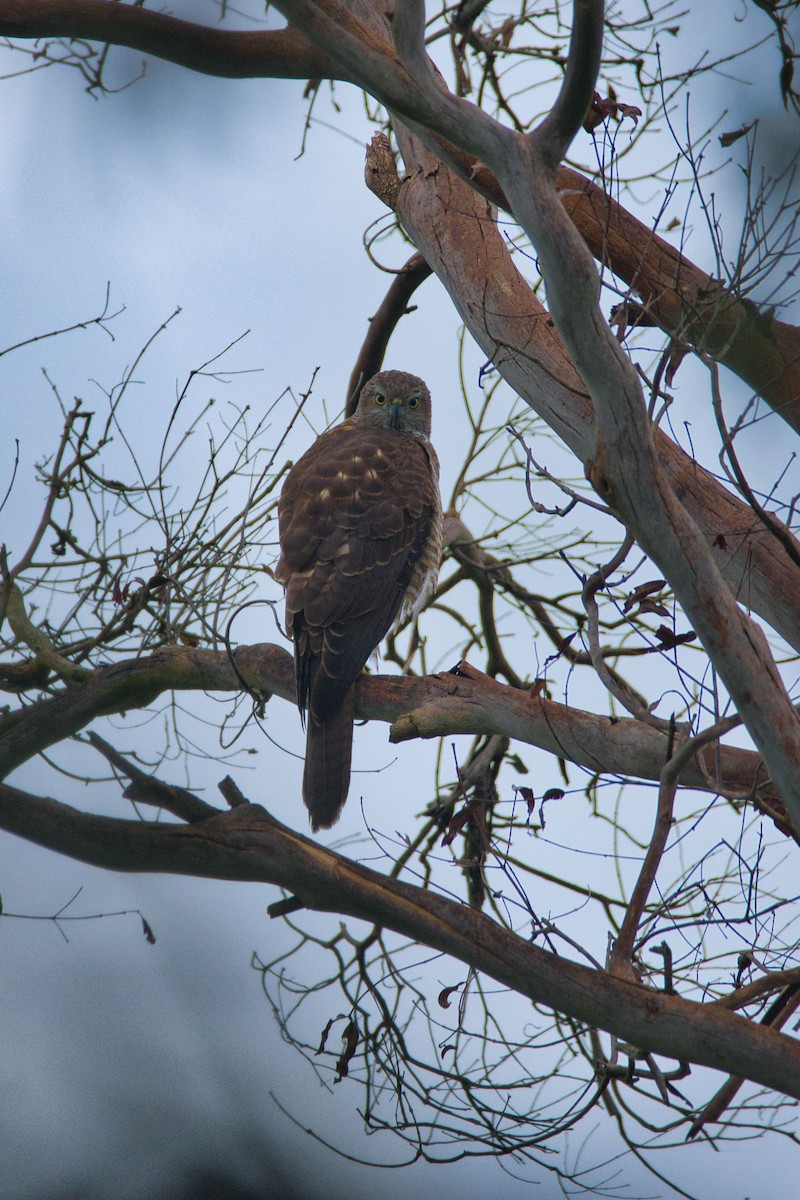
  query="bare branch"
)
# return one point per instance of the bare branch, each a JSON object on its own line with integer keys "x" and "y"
{"x": 383, "y": 324}
{"x": 776, "y": 1016}
{"x": 464, "y": 701}
{"x": 249, "y": 845}
{"x": 146, "y": 789}
{"x": 553, "y": 136}
{"x": 459, "y": 237}
{"x": 236, "y": 55}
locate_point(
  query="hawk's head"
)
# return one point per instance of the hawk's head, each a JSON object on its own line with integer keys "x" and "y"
{"x": 395, "y": 400}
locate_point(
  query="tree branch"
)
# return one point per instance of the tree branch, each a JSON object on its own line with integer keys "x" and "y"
{"x": 146, "y": 789}
{"x": 683, "y": 300}
{"x": 460, "y": 701}
{"x": 559, "y": 127}
{"x": 625, "y": 472}
{"x": 641, "y": 494}
{"x": 381, "y": 327}
{"x": 247, "y": 844}
{"x": 282, "y": 53}
{"x": 458, "y": 235}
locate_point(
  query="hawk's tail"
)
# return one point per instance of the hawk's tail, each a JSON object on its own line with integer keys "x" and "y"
{"x": 326, "y": 778}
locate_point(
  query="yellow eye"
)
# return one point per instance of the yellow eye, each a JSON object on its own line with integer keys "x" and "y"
{"x": 379, "y": 398}
{"x": 413, "y": 402}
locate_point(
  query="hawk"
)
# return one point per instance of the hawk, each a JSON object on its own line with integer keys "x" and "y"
{"x": 360, "y": 524}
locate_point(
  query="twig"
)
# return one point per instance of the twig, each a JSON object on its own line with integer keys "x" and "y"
{"x": 382, "y": 325}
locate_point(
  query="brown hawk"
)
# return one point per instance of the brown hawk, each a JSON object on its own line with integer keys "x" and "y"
{"x": 360, "y": 522}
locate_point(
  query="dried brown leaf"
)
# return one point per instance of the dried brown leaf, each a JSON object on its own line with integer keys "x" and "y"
{"x": 670, "y": 640}
{"x": 526, "y": 794}
{"x": 350, "y": 1037}
{"x": 727, "y": 139}
{"x": 445, "y": 994}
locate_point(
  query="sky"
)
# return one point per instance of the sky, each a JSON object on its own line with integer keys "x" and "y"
{"x": 128, "y": 1067}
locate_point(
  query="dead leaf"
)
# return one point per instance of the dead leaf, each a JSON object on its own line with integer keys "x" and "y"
{"x": 785, "y": 79}
{"x": 642, "y": 591}
{"x": 350, "y": 1037}
{"x": 629, "y": 110}
{"x": 446, "y": 993}
{"x": 456, "y": 824}
{"x": 601, "y": 110}
{"x": 505, "y": 31}
{"x": 474, "y": 813}
{"x": 629, "y": 315}
{"x": 670, "y": 640}
{"x": 564, "y": 644}
{"x": 550, "y": 794}
{"x": 727, "y": 139}
{"x": 526, "y": 794}
{"x": 677, "y": 353}
{"x": 652, "y": 606}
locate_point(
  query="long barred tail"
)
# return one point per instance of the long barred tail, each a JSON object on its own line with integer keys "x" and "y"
{"x": 326, "y": 778}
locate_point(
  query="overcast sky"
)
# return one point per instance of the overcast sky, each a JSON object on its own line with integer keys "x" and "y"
{"x": 128, "y": 1066}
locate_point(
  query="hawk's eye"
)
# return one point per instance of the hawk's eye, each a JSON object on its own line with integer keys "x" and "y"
{"x": 413, "y": 402}
{"x": 380, "y": 398}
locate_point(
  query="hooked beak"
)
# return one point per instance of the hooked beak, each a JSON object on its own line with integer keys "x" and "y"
{"x": 396, "y": 410}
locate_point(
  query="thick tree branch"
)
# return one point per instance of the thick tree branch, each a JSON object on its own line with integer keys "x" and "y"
{"x": 457, "y": 232}
{"x": 462, "y": 701}
{"x": 684, "y": 301}
{"x": 245, "y": 54}
{"x": 626, "y": 472}
{"x": 247, "y": 844}
{"x": 134, "y": 684}
{"x": 777, "y": 1015}
{"x": 681, "y": 299}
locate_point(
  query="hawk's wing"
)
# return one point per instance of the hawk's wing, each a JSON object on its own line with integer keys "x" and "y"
{"x": 356, "y": 516}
